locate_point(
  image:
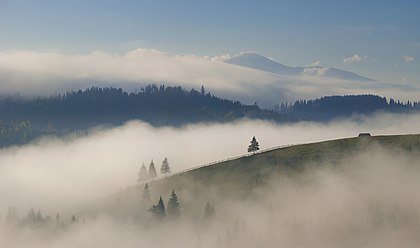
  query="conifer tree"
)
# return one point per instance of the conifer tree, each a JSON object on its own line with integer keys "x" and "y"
{"x": 57, "y": 219}
{"x": 31, "y": 217}
{"x": 12, "y": 216}
{"x": 164, "y": 169}
{"x": 146, "y": 193}
{"x": 209, "y": 211}
{"x": 254, "y": 146}
{"x": 142, "y": 175}
{"x": 152, "y": 170}
{"x": 173, "y": 205}
{"x": 159, "y": 210}
{"x": 38, "y": 217}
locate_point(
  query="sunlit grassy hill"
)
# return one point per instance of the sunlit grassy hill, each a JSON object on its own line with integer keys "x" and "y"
{"x": 249, "y": 171}
{"x": 242, "y": 177}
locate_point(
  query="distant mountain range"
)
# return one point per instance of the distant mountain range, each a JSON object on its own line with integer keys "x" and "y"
{"x": 259, "y": 62}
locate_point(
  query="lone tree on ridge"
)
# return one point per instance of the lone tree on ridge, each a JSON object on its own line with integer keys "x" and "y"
{"x": 254, "y": 146}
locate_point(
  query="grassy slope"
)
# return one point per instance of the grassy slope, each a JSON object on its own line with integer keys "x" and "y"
{"x": 236, "y": 178}
{"x": 244, "y": 173}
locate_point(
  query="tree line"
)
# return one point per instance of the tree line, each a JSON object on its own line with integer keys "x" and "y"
{"x": 331, "y": 107}
{"x": 24, "y": 119}
{"x": 158, "y": 105}
{"x": 36, "y": 219}
{"x": 172, "y": 209}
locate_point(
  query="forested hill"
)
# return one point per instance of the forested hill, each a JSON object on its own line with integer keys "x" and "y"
{"x": 22, "y": 120}
{"x": 335, "y": 107}
{"x": 158, "y": 105}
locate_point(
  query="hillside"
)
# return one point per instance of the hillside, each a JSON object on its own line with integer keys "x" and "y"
{"x": 242, "y": 174}
{"x": 241, "y": 178}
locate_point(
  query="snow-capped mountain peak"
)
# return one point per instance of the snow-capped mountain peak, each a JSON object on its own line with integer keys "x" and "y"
{"x": 259, "y": 62}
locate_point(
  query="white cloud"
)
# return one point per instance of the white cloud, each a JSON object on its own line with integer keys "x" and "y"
{"x": 315, "y": 71}
{"x": 45, "y": 73}
{"x": 354, "y": 58}
{"x": 221, "y": 58}
{"x": 49, "y": 72}
{"x": 316, "y": 63}
{"x": 408, "y": 58}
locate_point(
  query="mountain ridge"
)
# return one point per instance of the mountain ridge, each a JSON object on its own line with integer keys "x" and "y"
{"x": 257, "y": 61}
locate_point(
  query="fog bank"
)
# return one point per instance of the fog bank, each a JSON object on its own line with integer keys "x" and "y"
{"x": 39, "y": 73}
{"x": 59, "y": 174}
{"x": 369, "y": 199}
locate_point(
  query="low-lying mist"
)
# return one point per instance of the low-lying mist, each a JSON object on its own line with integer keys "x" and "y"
{"x": 369, "y": 199}
{"x": 57, "y": 174}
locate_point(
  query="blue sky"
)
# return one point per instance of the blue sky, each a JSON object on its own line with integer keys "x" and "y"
{"x": 295, "y": 33}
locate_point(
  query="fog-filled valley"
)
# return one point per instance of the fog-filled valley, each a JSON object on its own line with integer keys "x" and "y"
{"x": 209, "y": 124}
{"x": 365, "y": 198}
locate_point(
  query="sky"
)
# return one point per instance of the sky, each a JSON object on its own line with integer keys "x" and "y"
{"x": 377, "y": 39}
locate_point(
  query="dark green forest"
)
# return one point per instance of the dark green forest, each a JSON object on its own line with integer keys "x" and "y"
{"x": 333, "y": 107}
{"x": 24, "y": 119}
{"x": 158, "y": 105}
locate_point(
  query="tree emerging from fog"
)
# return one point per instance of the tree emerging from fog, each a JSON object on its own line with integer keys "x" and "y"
{"x": 173, "y": 205}
{"x": 146, "y": 193}
{"x": 209, "y": 211}
{"x": 152, "y": 170}
{"x": 12, "y": 215}
{"x": 142, "y": 176}
{"x": 158, "y": 210}
{"x": 165, "y": 169}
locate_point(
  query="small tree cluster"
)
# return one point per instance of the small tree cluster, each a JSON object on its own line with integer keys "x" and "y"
{"x": 12, "y": 215}
{"x": 145, "y": 174}
{"x": 173, "y": 210}
{"x": 158, "y": 210}
{"x": 35, "y": 219}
